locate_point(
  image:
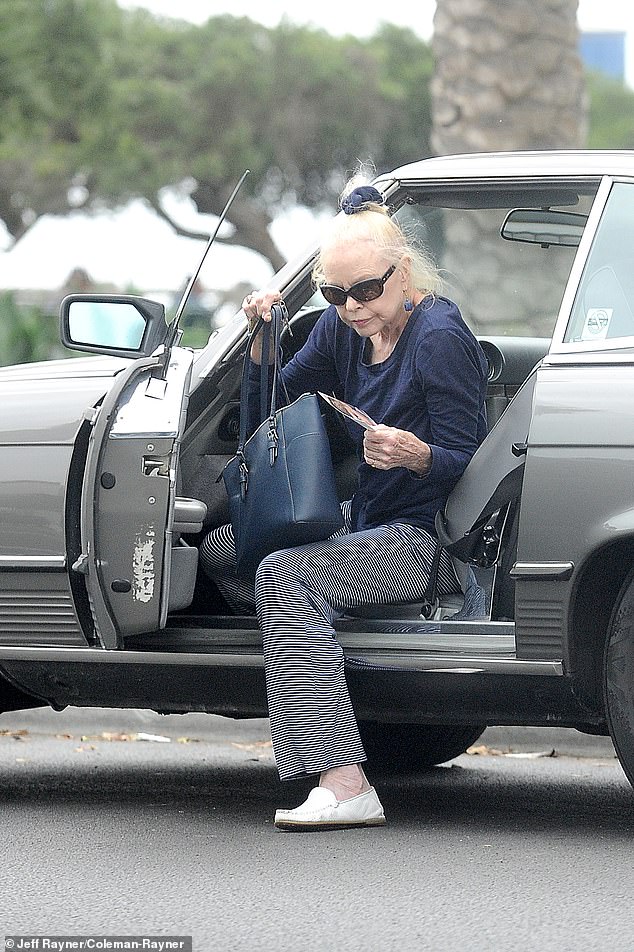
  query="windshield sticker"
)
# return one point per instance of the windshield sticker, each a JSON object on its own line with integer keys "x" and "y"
{"x": 597, "y": 323}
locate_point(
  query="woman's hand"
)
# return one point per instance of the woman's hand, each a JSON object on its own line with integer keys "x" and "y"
{"x": 386, "y": 447}
{"x": 255, "y": 305}
{"x": 258, "y": 304}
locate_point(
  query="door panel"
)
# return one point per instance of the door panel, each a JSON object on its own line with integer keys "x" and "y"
{"x": 128, "y": 500}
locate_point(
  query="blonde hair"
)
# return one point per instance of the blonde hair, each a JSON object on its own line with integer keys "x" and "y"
{"x": 375, "y": 224}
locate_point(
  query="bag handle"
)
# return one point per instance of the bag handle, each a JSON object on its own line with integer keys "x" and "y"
{"x": 264, "y": 371}
{"x": 279, "y": 314}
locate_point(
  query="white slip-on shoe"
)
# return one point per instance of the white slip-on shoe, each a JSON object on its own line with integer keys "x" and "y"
{"x": 322, "y": 811}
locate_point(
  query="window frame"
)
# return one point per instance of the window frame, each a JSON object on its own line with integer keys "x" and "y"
{"x": 605, "y": 350}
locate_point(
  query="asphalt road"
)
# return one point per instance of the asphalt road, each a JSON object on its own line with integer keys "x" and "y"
{"x": 107, "y": 832}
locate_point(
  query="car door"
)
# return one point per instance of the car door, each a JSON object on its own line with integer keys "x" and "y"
{"x": 577, "y": 498}
{"x": 128, "y": 496}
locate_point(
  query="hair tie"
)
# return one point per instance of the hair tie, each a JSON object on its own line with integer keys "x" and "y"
{"x": 359, "y": 197}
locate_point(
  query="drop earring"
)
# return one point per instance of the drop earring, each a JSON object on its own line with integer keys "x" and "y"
{"x": 408, "y": 304}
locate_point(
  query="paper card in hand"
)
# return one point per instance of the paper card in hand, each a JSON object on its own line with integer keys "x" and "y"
{"x": 350, "y": 412}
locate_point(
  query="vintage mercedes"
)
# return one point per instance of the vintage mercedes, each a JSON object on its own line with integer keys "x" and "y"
{"x": 109, "y": 481}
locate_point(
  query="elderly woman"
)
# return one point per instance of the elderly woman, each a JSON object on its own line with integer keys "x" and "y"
{"x": 392, "y": 346}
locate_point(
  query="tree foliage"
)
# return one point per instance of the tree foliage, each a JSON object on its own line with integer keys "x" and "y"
{"x": 53, "y": 86}
{"x": 611, "y": 113}
{"x": 102, "y": 105}
{"x": 27, "y": 333}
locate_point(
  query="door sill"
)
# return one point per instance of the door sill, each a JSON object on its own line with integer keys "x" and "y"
{"x": 459, "y": 647}
{"x": 213, "y": 633}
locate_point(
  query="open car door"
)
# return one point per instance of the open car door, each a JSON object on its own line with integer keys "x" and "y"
{"x": 128, "y": 498}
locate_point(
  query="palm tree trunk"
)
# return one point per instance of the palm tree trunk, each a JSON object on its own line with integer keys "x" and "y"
{"x": 508, "y": 75}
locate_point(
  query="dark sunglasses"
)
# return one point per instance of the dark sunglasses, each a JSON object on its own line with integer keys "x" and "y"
{"x": 362, "y": 291}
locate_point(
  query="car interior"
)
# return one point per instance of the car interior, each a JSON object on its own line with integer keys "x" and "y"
{"x": 509, "y": 292}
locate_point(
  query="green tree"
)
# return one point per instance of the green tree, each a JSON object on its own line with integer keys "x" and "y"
{"x": 27, "y": 333}
{"x": 611, "y": 114}
{"x": 106, "y": 105}
{"x": 102, "y": 105}
{"x": 54, "y": 80}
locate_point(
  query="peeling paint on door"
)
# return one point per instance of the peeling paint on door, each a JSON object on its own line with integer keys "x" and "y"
{"x": 143, "y": 574}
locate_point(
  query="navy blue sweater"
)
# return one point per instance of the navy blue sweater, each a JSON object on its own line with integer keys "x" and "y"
{"x": 432, "y": 384}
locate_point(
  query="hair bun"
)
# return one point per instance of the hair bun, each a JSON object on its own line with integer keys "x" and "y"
{"x": 359, "y": 197}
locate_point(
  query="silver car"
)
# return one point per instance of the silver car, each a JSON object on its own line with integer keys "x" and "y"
{"x": 109, "y": 481}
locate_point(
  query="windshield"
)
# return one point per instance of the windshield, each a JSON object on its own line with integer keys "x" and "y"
{"x": 502, "y": 287}
{"x": 603, "y": 312}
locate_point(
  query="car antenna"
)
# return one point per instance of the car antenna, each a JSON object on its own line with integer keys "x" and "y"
{"x": 172, "y": 330}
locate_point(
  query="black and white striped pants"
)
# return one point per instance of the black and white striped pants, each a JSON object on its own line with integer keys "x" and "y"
{"x": 299, "y": 594}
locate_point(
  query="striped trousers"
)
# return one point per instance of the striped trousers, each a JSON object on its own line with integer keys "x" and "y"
{"x": 299, "y": 594}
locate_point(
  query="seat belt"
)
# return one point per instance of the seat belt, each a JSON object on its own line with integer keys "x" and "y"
{"x": 462, "y": 573}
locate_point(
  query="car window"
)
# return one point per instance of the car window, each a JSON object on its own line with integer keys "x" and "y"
{"x": 502, "y": 287}
{"x": 603, "y": 310}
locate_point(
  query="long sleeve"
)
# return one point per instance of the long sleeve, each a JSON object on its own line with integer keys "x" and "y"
{"x": 450, "y": 374}
{"x": 311, "y": 369}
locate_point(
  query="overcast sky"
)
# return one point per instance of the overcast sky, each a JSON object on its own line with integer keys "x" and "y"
{"x": 134, "y": 247}
{"x": 339, "y": 18}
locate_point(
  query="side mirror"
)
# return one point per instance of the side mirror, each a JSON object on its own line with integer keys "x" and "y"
{"x": 121, "y": 325}
{"x": 541, "y": 226}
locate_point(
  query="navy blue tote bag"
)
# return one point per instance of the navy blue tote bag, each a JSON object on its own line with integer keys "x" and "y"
{"x": 281, "y": 483}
